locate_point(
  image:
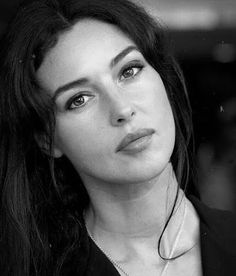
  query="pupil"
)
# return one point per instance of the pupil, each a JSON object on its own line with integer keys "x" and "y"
{"x": 128, "y": 73}
{"x": 79, "y": 101}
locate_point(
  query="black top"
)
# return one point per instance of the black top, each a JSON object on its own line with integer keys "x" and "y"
{"x": 218, "y": 240}
{"x": 218, "y": 247}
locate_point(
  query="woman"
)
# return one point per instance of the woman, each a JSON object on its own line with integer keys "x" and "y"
{"x": 95, "y": 136}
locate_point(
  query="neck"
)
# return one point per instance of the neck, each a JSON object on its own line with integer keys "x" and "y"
{"x": 127, "y": 211}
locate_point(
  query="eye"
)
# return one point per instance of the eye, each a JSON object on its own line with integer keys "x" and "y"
{"x": 131, "y": 71}
{"x": 78, "y": 101}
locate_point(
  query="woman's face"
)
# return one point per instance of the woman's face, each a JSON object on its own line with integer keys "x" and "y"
{"x": 113, "y": 118}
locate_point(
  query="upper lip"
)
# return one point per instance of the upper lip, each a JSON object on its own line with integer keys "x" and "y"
{"x": 131, "y": 137}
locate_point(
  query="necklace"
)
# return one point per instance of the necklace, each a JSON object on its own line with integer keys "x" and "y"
{"x": 108, "y": 255}
{"x": 120, "y": 268}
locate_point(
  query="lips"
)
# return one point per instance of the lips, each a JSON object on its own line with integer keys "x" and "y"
{"x": 136, "y": 141}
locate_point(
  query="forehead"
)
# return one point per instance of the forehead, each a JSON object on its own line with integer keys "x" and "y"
{"x": 88, "y": 46}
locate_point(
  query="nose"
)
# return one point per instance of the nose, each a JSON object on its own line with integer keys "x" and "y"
{"x": 121, "y": 110}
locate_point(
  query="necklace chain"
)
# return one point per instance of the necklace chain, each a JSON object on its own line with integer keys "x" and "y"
{"x": 108, "y": 255}
{"x": 167, "y": 261}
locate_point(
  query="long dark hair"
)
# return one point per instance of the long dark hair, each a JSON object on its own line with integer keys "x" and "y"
{"x": 42, "y": 199}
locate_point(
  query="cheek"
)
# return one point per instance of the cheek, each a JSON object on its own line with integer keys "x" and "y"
{"x": 82, "y": 141}
{"x": 160, "y": 111}
{"x": 155, "y": 99}
{"x": 73, "y": 135}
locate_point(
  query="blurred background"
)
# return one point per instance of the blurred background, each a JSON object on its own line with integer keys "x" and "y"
{"x": 203, "y": 36}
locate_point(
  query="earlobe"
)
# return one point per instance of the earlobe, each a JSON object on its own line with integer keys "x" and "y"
{"x": 57, "y": 153}
{"x": 44, "y": 146}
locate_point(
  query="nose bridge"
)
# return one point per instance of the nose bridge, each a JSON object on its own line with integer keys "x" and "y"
{"x": 120, "y": 107}
{"x": 118, "y": 99}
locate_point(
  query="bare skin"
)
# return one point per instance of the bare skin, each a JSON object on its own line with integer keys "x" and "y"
{"x": 127, "y": 223}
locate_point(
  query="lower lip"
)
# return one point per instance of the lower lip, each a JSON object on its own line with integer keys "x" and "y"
{"x": 138, "y": 145}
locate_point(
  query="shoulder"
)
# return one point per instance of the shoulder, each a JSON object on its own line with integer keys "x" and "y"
{"x": 221, "y": 224}
{"x": 218, "y": 239}
{"x": 86, "y": 259}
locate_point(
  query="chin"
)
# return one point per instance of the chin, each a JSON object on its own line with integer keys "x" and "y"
{"x": 139, "y": 174}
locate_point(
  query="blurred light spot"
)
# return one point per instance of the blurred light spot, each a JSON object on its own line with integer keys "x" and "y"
{"x": 224, "y": 52}
{"x": 229, "y": 110}
{"x": 221, "y": 109}
{"x": 189, "y": 18}
{"x": 185, "y": 14}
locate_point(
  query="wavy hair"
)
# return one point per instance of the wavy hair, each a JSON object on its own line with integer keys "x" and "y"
{"x": 42, "y": 199}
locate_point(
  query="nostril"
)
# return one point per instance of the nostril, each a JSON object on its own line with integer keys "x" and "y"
{"x": 122, "y": 116}
{"x": 127, "y": 117}
{"x": 120, "y": 120}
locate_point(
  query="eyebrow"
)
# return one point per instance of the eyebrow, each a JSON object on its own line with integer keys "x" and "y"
{"x": 83, "y": 81}
{"x": 122, "y": 54}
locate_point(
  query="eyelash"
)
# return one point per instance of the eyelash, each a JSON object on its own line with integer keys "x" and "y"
{"x": 132, "y": 66}
{"x": 76, "y": 97}
{"x": 136, "y": 65}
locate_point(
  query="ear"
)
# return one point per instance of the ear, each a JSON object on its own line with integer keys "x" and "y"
{"x": 43, "y": 143}
{"x": 57, "y": 153}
